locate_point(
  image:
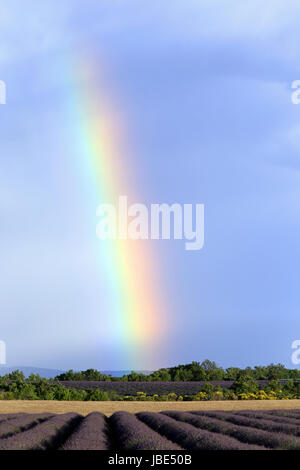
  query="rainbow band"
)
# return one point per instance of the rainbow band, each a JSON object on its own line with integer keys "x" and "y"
{"x": 135, "y": 305}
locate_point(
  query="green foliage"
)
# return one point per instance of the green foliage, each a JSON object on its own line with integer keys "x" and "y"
{"x": 43, "y": 389}
{"x": 244, "y": 387}
{"x": 15, "y": 386}
{"x": 136, "y": 377}
{"x": 232, "y": 373}
{"x": 209, "y": 389}
{"x": 228, "y": 394}
{"x": 15, "y": 375}
{"x": 162, "y": 375}
{"x": 244, "y": 383}
{"x": 195, "y": 371}
{"x": 89, "y": 374}
{"x": 273, "y": 385}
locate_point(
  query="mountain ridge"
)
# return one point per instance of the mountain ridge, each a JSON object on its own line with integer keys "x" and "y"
{"x": 51, "y": 373}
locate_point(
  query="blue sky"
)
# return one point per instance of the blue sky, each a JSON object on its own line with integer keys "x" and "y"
{"x": 206, "y": 90}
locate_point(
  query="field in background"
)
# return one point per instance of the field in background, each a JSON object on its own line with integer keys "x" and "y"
{"x": 150, "y": 388}
{"x": 110, "y": 407}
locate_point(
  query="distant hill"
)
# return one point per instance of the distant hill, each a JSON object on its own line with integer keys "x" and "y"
{"x": 120, "y": 373}
{"x": 27, "y": 370}
{"x": 51, "y": 373}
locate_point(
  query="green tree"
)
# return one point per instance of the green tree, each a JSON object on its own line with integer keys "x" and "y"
{"x": 232, "y": 373}
{"x": 244, "y": 383}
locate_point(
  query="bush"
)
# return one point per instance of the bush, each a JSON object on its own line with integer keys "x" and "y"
{"x": 244, "y": 384}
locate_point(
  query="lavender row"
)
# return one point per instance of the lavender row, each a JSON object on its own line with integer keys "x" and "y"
{"x": 170, "y": 430}
{"x": 43, "y": 436}
{"x": 150, "y": 388}
{"x": 8, "y": 416}
{"x": 264, "y": 424}
{"x": 131, "y": 434}
{"x": 190, "y": 437}
{"x": 274, "y": 440}
{"x": 91, "y": 434}
{"x": 11, "y": 426}
{"x": 286, "y": 413}
{"x": 249, "y": 442}
{"x": 268, "y": 416}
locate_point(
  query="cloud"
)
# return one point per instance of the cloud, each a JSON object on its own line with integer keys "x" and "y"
{"x": 28, "y": 28}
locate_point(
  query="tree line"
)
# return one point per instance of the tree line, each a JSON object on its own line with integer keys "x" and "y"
{"x": 195, "y": 371}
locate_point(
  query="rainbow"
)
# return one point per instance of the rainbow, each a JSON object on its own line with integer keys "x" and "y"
{"x": 137, "y": 315}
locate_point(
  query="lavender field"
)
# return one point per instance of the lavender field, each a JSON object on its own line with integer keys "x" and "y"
{"x": 170, "y": 430}
{"x": 150, "y": 388}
